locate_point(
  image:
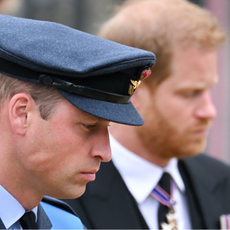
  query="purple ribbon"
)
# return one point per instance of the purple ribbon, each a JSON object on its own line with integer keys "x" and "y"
{"x": 162, "y": 196}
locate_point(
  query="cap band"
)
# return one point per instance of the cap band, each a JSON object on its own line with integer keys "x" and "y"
{"x": 20, "y": 72}
{"x": 83, "y": 90}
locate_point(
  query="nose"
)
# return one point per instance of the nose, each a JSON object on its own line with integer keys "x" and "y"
{"x": 102, "y": 148}
{"x": 206, "y": 108}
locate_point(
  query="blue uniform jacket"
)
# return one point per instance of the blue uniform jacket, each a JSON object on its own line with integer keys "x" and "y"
{"x": 54, "y": 214}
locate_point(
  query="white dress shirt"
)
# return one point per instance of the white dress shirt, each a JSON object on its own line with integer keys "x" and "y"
{"x": 141, "y": 177}
{"x": 11, "y": 210}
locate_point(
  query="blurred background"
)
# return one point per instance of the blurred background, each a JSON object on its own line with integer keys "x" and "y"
{"x": 88, "y": 15}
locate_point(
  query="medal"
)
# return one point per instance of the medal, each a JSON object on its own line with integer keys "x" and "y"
{"x": 171, "y": 219}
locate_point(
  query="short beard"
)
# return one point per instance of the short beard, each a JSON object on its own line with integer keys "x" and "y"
{"x": 162, "y": 139}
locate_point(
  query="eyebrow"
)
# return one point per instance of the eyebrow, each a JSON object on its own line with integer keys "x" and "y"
{"x": 200, "y": 85}
{"x": 88, "y": 117}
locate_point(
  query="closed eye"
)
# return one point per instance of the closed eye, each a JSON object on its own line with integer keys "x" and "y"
{"x": 90, "y": 126}
{"x": 191, "y": 94}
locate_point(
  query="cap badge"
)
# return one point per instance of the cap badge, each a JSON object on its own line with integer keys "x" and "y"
{"x": 134, "y": 84}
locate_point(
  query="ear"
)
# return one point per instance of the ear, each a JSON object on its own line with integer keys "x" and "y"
{"x": 20, "y": 106}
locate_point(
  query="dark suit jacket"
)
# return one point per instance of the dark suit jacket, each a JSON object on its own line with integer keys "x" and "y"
{"x": 107, "y": 203}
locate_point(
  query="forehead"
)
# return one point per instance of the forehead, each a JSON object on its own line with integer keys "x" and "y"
{"x": 193, "y": 65}
{"x": 65, "y": 110}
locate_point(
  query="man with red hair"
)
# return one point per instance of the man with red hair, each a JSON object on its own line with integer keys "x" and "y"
{"x": 177, "y": 108}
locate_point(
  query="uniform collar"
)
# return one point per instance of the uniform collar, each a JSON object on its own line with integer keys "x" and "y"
{"x": 11, "y": 210}
{"x": 140, "y": 175}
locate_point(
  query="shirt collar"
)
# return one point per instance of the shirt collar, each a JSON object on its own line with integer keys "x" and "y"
{"x": 11, "y": 210}
{"x": 140, "y": 175}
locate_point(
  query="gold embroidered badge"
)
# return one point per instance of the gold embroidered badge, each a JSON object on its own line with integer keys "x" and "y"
{"x": 133, "y": 86}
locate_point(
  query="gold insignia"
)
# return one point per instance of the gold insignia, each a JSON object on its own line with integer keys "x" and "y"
{"x": 133, "y": 86}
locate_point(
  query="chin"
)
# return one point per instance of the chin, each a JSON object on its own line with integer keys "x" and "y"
{"x": 71, "y": 193}
{"x": 189, "y": 154}
{"x": 195, "y": 150}
{"x": 77, "y": 194}
{"x": 191, "y": 150}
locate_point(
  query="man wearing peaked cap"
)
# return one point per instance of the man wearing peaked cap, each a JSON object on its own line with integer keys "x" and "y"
{"x": 59, "y": 88}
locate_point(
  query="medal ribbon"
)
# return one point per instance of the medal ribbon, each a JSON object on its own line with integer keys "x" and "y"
{"x": 225, "y": 221}
{"x": 162, "y": 196}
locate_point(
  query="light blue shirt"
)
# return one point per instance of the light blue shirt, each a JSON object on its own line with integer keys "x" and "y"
{"x": 11, "y": 210}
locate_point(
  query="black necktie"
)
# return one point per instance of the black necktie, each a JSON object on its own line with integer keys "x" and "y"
{"x": 27, "y": 221}
{"x": 164, "y": 183}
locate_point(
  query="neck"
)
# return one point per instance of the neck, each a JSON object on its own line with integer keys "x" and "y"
{"x": 13, "y": 179}
{"x": 26, "y": 198}
{"x": 127, "y": 136}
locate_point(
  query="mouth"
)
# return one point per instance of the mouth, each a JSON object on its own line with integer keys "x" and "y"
{"x": 202, "y": 128}
{"x": 89, "y": 175}
{"x": 201, "y": 131}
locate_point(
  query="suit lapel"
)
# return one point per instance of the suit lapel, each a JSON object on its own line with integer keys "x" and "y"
{"x": 109, "y": 203}
{"x": 204, "y": 191}
{"x": 2, "y": 226}
{"x": 43, "y": 219}
{"x": 195, "y": 213}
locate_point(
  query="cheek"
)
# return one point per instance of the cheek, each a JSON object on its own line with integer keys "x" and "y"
{"x": 176, "y": 111}
{"x": 71, "y": 149}
{"x": 174, "y": 116}
{"x": 55, "y": 148}
{"x": 66, "y": 149}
